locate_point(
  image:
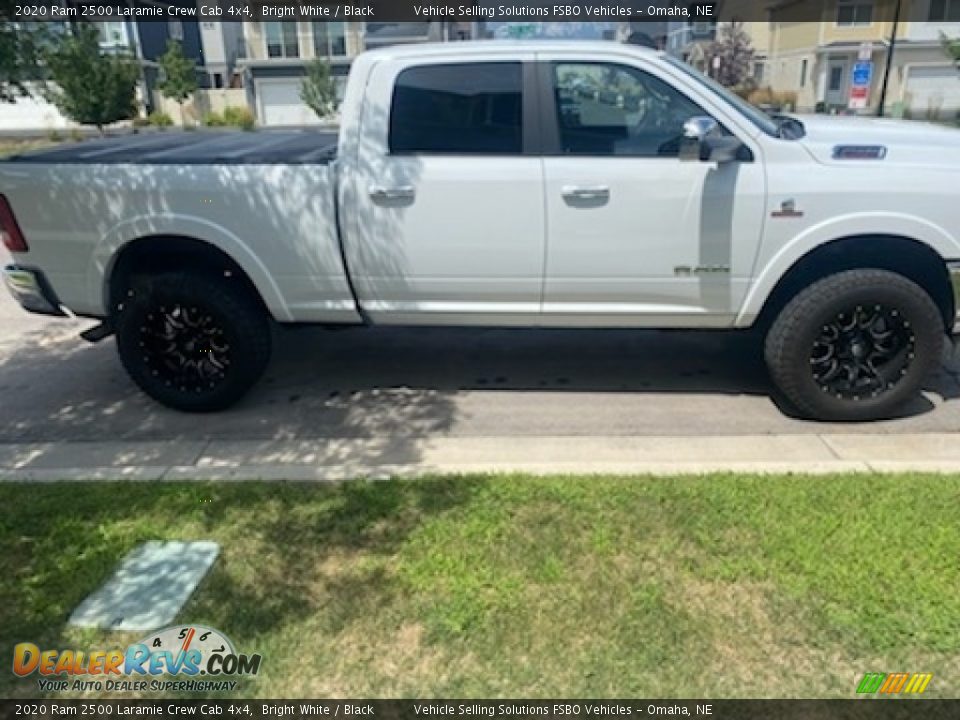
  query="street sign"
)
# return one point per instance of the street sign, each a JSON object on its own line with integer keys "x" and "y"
{"x": 858, "y": 97}
{"x": 860, "y": 86}
{"x": 862, "y": 72}
{"x": 866, "y": 51}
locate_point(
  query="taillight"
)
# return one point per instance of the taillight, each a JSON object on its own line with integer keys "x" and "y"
{"x": 9, "y": 229}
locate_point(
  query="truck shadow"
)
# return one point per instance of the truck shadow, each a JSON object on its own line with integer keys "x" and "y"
{"x": 388, "y": 387}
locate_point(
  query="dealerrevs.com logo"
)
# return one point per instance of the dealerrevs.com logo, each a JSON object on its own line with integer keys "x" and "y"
{"x": 188, "y": 658}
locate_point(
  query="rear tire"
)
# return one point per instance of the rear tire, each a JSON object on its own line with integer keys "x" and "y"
{"x": 855, "y": 345}
{"x": 192, "y": 342}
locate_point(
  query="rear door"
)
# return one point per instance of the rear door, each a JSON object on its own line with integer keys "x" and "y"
{"x": 446, "y": 215}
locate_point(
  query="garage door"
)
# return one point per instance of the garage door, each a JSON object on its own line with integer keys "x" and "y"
{"x": 934, "y": 88}
{"x": 280, "y": 103}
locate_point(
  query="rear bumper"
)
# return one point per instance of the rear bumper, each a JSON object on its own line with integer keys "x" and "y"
{"x": 30, "y": 288}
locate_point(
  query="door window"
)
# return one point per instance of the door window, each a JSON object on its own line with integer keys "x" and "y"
{"x": 473, "y": 109}
{"x": 836, "y": 78}
{"x": 606, "y": 109}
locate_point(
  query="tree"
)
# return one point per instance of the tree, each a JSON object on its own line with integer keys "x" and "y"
{"x": 179, "y": 76}
{"x": 92, "y": 87}
{"x": 319, "y": 90}
{"x": 951, "y": 48}
{"x": 20, "y": 49}
{"x": 735, "y": 50}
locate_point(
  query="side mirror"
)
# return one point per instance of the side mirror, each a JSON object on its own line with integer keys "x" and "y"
{"x": 703, "y": 141}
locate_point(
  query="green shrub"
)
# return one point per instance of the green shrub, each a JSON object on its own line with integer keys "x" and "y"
{"x": 213, "y": 119}
{"x": 787, "y": 99}
{"x": 239, "y": 117}
{"x": 54, "y": 135}
{"x": 76, "y": 135}
{"x": 139, "y": 121}
{"x": 160, "y": 119}
{"x": 761, "y": 96}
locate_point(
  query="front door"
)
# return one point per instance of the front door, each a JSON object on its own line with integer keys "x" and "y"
{"x": 444, "y": 219}
{"x": 836, "y": 83}
{"x": 636, "y": 235}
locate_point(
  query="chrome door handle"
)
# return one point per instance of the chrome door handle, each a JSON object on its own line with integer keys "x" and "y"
{"x": 591, "y": 192}
{"x": 403, "y": 192}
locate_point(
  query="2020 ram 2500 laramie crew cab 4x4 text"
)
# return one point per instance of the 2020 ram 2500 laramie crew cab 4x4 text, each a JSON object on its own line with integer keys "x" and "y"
{"x": 549, "y": 184}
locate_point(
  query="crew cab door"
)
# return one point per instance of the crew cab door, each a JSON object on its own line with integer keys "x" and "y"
{"x": 636, "y": 235}
{"x": 443, "y": 219}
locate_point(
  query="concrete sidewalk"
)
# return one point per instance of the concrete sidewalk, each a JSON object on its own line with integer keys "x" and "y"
{"x": 330, "y": 459}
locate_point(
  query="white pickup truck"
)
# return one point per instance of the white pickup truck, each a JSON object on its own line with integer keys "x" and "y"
{"x": 549, "y": 184}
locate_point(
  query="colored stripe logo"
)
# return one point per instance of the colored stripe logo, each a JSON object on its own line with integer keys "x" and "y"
{"x": 894, "y": 683}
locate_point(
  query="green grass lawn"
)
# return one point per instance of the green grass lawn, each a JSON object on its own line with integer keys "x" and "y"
{"x": 517, "y": 586}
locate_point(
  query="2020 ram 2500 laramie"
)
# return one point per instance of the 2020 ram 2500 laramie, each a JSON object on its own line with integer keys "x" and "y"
{"x": 549, "y": 184}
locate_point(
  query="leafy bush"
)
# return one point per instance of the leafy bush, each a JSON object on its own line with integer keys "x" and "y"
{"x": 787, "y": 98}
{"x": 213, "y": 119}
{"x": 769, "y": 96}
{"x": 160, "y": 119}
{"x": 745, "y": 88}
{"x": 240, "y": 117}
{"x": 139, "y": 121}
{"x": 54, "y": 135}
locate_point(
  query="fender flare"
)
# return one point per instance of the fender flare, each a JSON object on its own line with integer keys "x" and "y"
{"x": 104, "y": 257}
{"x": 854, "y": 225}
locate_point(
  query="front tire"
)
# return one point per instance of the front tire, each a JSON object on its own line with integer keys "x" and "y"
{"x": 854, "y": 346}
{"x": 192, "y": 342}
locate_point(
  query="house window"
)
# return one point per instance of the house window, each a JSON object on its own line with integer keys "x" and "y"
{"x": 803, "y": 72}
{"x": 854, "y": 12}
{"x": 175, "y": 28}
{"x": 112, "y": 33}
{"x": 702, "y": 28}
{"x": 758, "y": 71}
{"x": 281, "y": 39}
{"x": 944, "y": 10}
{"x": 330, "y": 39}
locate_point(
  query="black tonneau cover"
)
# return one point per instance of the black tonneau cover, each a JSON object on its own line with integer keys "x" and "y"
{"x": 202, "y": 147}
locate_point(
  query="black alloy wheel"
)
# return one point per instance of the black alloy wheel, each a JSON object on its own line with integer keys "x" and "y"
{"x": 193, "y": 342}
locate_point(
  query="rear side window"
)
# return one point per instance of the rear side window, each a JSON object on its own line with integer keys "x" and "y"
{"x": 473, "y": 109}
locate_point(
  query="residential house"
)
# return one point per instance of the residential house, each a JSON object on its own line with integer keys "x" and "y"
{"x": 690, "y": 40}
{"x": 817, "y": 59}
{"x": 274, "y": 57}
{"x": 145, "y": 41}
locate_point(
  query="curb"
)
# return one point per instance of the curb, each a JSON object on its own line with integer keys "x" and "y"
{"x": 338, "y": 459}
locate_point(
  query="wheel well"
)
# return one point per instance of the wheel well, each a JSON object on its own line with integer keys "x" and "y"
{"x": 160, "y": 254}
{"x": 910, "y": 258}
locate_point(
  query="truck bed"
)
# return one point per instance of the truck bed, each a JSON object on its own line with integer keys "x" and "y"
{"x": 203, "y": 147}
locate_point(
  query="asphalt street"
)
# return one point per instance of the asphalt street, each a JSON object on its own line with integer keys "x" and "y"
{"x": 428, "y": 383}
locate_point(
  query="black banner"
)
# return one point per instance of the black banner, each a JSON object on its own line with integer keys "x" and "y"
{"x": 522, "y": 11}
{"x": 863, "y": 709}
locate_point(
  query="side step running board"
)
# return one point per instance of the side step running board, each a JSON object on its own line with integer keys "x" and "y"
{"x": 98, "y": 332}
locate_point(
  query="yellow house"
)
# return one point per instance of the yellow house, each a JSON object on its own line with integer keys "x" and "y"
{"x": 817, "y": 60}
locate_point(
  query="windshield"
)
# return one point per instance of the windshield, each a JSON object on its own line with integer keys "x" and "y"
{"x": 754, "y": 115}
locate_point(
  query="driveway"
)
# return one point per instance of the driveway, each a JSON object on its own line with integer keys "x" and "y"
{"x": 416, "y": 383}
